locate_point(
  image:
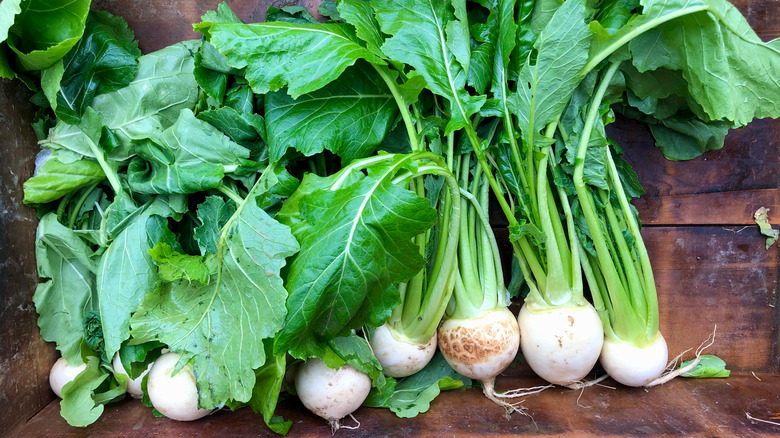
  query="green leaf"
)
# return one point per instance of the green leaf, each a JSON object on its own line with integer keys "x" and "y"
{"x": 413, "y": 395}
{"x": 54, "y": 179}
{"x": 9, "y": 9}
{"x": 137, "y": 358}
{"x": 45, "y": 30}
{"x": 304, "y": 57}
{"x": 349, "y": 117}
{"x": 503, "y": 47}
{"x": 223, "y": 14}
{"x": 50, "y": 82}
{"x": 268, "y": 384}
{"x": 545, "y": 87}
{"x": 67, "y": 289}
{"x": 213, "y": 214}
{"x": 687, "y": 139}
{"x": 418, "y": 29}
{"x": 242, "y": 128}
{"x": 356, "y": 351}
{"x": 355, "y": 244}
{"x": 709, "y": 366}
{"x": 78, "y": 406}
{"x": 104, "y": 60}
{"x": 174, "y": 266}
{"x": 127, "y": 273}
{"x": 360, "y": 14}
{"x": 162, "y": 87}
{"x": 731, "y": 72}
{"x": 190, "y": 156}
{"x": 221, "y": 325}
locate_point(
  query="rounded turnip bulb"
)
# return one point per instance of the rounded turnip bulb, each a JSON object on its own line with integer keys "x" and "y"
{"x": 632, "y": 365}
{"x": 328, "y": 393}
{"x": 400, "y": 357}
{"x": 482, "y": 347}
{"x": 61, "y": 373}
{"x": 560, "y": 344}
{"x": 175, "y": 396}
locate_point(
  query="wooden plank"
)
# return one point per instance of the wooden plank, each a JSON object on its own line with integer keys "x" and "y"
{"x": 709, "y": 276}
{"x": 714, "y": 407}
{"x": 25, "y": 358}
{"x": 749, "y": 160}
{"x": 715, "y": 208}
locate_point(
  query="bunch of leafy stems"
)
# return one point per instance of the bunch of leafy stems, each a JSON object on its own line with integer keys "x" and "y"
{"x": 424, "y": 298}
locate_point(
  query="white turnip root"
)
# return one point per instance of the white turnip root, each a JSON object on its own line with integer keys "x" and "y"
{"x": 133, "y": 385}
{"x": 400, "y": 357}
{"x": 331, "y": 394}
{"x": 632, "y": 365}
{"x": 61, "y": 373}
{"x": 560, "y": 344}
{"x": 481, "y": 348}
{"x": 174, "y": 395}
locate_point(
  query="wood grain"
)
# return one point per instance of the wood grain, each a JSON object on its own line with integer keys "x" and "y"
{"x": 24, "y": 358}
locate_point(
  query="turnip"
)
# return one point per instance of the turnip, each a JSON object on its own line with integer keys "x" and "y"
{"x": 561, "y": 344}
{"x": 634, "y": 365}
{"x": 174, "y": 395}
{"x": 133, "y": 385}
{"x": 407, "y": 341}
{"x": 618, "y": 269}
{"x": 61, "y": 373}
{"x": 400, "y": 357}
{"x": 331, "y": 394}
{"x": 479, "y": 337}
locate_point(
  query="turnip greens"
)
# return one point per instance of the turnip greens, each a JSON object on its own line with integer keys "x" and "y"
{"x": 277, "y": 191}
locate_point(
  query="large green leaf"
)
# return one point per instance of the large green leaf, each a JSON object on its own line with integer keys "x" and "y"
{"x": 545, "y": 86}
{"x": 45, "y": 30}
{"x": 55, "y": 179}
{"x": 126, "y": 273}
{"x": 66, "y": 291}
{"x": 355, "y": 244}
{"x": 421, "y": 40}
{"x": 304, "y": 57}
{"x": 729, "y": 69}
{"x": 221, "y": 325}
{"x": 190, "y": 156}
{"x": 104, "y": 60}
{"x": 349, "y": 117}
{"x": 162, "y": 87}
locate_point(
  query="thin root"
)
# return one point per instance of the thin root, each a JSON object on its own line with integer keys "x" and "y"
{"x": 489, "y": 389}
{"x": 585, "y": 384}
{"x": 669, "y": 375}
{"x": 750, "y": 417}
{"x": 335, "y": 425}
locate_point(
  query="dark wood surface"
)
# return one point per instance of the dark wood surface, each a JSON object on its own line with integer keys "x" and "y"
{"x": 25, "y": 359}
{"x": 710, "y": 264}
{"x": 715, "y": 407}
